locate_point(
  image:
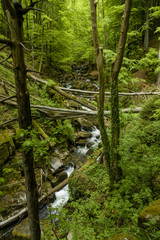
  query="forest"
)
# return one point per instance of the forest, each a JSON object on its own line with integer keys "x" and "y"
{"x": 80, "y": 120}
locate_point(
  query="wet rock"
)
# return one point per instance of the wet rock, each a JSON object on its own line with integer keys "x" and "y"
{"x": 81, "y": 142}
{"x": 56, "y": 163}
{"x": 83, "y": 135}
{"x": 61, "y": 177}
{"x": 85, "y": 124}
{"x": 152, "y": 212}
{"x": 122, "y": 236}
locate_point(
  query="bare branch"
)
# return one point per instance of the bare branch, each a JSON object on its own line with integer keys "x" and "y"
{"x": 6, "y": 41}
{"x": 9, "y": 121}
{"x": 5, "y": 99}
{"x": 6, "y": 59}
{"x": 3, "y": 47}
{"x": 25, "y": 47}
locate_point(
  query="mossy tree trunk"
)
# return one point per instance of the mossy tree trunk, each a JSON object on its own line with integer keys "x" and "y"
{"x": 14, "y": 14}
{"x": 101, "y": 78}
{"x": 115, "y": 121}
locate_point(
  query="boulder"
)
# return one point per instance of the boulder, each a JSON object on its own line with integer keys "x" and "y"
{"x": 151, "y": 212}
{"x": 83, "y": 123}
{"x": 61, "y": 177}
{"x": 7, "y": 147}
{"x": 122, "y": 236}
{"x": 81, "y": 142}
{"x": 22, "y": 231}
{"x": 80, "y": 185}
{"x": 83, "y": 135}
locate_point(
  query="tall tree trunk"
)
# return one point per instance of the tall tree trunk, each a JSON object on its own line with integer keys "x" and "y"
{"x": 115, "y": 122}
{"x": 101, "y": 77}
{"x": 15, "y": 20}
{"x": 146, "y": 33}
{"x": 104, "y": 28}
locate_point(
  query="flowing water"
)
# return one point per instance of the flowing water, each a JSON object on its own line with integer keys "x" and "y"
{"x": 91, "y": 142}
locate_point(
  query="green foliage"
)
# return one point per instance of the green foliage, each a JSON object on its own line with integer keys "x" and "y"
{"x": 150, "y": 62}
{"x": 150, "y": 109}
{"x": 63, "y": 131}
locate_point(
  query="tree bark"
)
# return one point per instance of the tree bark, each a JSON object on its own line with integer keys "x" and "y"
{"x": 115, "y": 122}
{"x": 15, "y": 20}
{"x": 101, "y": 77}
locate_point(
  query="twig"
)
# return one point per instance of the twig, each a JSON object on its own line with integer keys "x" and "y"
{"x": 3, "y": 47}
{"x": 3, "y": 100}
{"x": 9, "y": 121}
{"x": 29, "y": 50}
{"x": 6, "y": 59}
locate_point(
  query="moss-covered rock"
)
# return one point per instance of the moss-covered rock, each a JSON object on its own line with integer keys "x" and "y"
{"x": 22, "y": 231}
{"x": 7, "y": 147}
{"x": 122, "y": 236}
{"x": 150, "y": 213}
{"x": 80, "y": 184}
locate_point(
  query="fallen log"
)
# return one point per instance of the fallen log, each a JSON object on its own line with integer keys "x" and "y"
{"x": 49, "y": 109}
{"x": 24, "y": 212}
{"x": 66, "y": 95}
{"x": 44, "y": 135}
{"x": 94, "y": 92}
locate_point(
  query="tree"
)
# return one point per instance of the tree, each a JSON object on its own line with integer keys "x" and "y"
{"x": 111, "y": 153}
{"x": 101, "y": 78}
{"x": 115, "y": 122}
{"x": 14, "y": 13}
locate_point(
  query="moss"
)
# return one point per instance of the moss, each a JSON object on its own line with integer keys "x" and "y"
{"x": 80, "y": 184}
{"x": 152, "y": 212}
{"x": 22, "y": 230}
{"x": 7, "y": 147}
{"x": 122, "y": 236}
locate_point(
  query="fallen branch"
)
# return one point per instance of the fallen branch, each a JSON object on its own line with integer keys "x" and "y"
{"x": 44, "y": 135}
{"x": 94, "y": 92}
{"x": 48, "y": 109}
{"x": 9, "y": 121}
{"x": 7, "y": 98}
{"x": 5, "y": 59}
{"x": 24, "y": 212}
{"x": 69, "y": 96}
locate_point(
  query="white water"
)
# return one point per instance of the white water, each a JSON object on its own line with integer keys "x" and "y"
{"x": 62, "y": 196}
{"x": 94, "y": 140}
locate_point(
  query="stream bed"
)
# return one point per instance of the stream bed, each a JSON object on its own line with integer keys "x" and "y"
{"x": 62, "y": 196}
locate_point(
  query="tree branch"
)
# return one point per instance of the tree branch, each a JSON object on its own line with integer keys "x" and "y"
{"x": 6, "y": 41}
{"x": 6, "y": 59}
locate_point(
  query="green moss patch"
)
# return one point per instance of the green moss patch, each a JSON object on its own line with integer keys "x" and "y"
{"x": 150, "y": 213}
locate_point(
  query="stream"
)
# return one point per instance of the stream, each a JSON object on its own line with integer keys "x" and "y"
{"x": 62, "y": 196}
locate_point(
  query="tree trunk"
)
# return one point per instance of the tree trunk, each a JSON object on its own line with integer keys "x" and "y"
{"x": 146, "y": 33}
{"x": 101, "y": 77}
{"x": 115, "y": 122}
{"x": 15, "y": 20}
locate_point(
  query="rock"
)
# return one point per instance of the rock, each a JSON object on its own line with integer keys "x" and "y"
{"x": 7, "y": 147}
{"x": 61, "y": 177}
{"x": 69, "y": 236}
{"x": 122, "y": 236}
{"x": 81, "y": 142}
{"x": 22, "y": 231}
{"x": 80, "y": 185}
{"x": 85, "y": 124}
{"x": 151, "y": 212}
{"x": 83, "y": 135}
{"x": 56, "y": 163}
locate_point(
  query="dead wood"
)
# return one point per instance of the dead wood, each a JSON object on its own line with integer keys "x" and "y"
{"x": 44, "y": 135}
{"x": 68, "y": 96}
